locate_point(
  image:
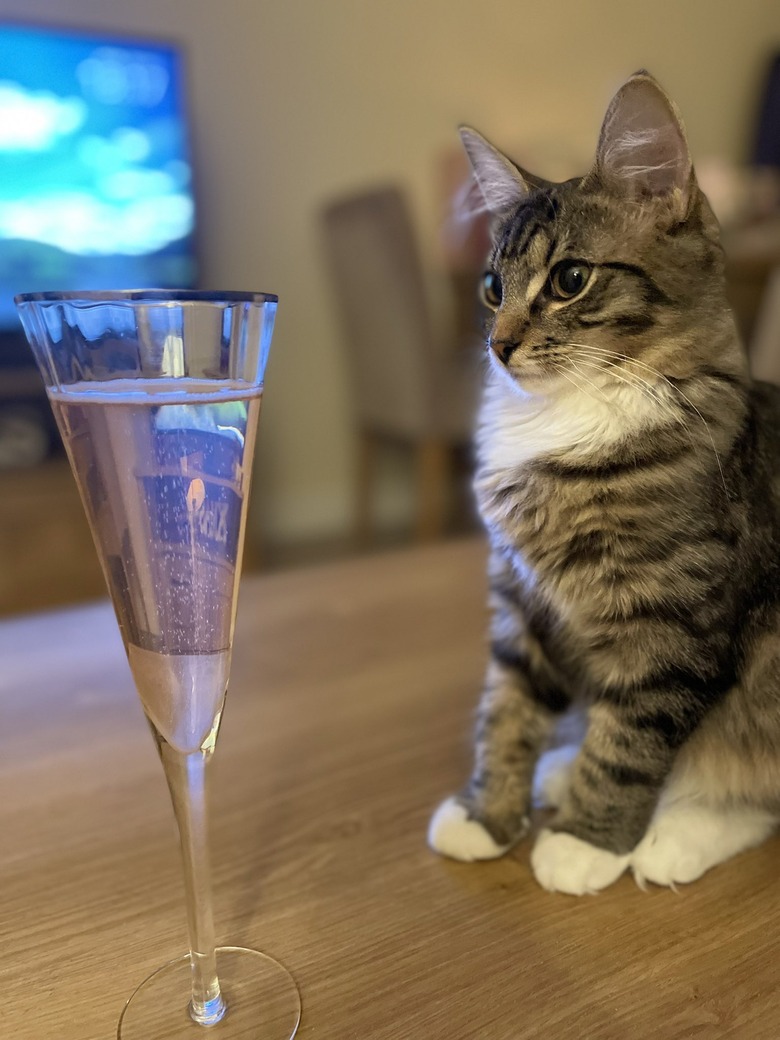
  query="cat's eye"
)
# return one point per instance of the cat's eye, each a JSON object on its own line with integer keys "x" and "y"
{"x": 490, "y": 290}
{"x": 569, "y": 278}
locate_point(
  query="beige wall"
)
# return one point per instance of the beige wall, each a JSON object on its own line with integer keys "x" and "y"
{"x": 295, "y": 100}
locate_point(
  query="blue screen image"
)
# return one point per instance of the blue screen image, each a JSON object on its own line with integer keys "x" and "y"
{"x": 95, "y": 168}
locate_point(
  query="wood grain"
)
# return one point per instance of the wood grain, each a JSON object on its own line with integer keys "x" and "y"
{"x": 348, "y": 719}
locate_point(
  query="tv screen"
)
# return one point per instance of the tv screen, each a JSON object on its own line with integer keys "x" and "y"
{"x": 95, "y": 169}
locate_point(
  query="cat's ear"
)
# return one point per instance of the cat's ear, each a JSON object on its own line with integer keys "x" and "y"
{"x": 501, "y": 183}
{"x": 642, "y": 149}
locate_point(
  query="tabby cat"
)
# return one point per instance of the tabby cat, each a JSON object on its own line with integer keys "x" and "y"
{"x": 628, "y": 480}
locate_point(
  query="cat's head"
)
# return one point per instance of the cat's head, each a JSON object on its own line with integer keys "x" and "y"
{"x": 625, "y": 261}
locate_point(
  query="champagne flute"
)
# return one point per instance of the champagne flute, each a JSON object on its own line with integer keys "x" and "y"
{"x": 157, "y": 397}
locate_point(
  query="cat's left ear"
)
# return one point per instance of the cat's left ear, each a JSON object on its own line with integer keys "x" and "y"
{"x": 642, "y": 148}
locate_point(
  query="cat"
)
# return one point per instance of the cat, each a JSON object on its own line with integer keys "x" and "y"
{"x": 628, "y": 477}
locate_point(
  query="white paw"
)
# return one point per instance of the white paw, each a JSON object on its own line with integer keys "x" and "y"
{"x": 685, "y": 839}
{"x": 552, "y": 776}
{"x": 453, "y": 834}
{"x": 563, "y": 863}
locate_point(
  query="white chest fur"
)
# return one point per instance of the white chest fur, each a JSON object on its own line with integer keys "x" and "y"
{"x": 514, "y": 427}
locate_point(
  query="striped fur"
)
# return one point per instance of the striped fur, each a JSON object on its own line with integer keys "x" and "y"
{"x": 628, "y": 478}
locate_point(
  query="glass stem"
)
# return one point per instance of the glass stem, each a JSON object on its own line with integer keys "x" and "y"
{"x": 186, "y": 776}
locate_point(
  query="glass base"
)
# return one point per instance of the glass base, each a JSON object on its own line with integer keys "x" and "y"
{"x": 263, "y": 1002}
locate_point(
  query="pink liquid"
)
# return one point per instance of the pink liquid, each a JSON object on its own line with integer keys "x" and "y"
{"x": 164, "y": 467}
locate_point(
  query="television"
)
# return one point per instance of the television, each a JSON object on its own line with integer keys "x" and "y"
{"x": 96, "y": 186}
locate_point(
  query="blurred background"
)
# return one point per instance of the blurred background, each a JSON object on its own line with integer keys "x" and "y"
{"x": 298, "y": 135}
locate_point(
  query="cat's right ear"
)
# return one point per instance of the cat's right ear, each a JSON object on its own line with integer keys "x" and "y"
{"x": 499, "y": 180}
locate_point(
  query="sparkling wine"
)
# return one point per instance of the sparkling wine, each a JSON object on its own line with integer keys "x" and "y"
{"x": 160, "y": 465}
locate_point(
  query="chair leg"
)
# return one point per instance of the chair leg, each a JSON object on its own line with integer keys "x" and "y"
{"x": 433, "y": 472}
{"x": 365, "y": 485}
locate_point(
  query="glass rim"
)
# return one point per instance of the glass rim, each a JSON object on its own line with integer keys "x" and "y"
{"x": 173, "y": 296}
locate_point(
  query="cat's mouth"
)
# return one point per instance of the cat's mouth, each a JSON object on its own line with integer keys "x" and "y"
{"x": 530, "y": 373}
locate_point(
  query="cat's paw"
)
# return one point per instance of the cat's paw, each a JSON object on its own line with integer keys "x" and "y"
{"x": 563, "y": 863}
{"x": 552, "y": 776}
{"x": 685, "y": 839}
{"x": 451, "y": 833}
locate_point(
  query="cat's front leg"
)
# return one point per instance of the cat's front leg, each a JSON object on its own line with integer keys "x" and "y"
{"x": 490, "y": 814}
{"x": 518, "y": 710}
{"x": 614, "y": 788}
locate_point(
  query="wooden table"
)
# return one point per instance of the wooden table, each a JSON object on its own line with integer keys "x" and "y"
{"x": 352, "y": 692}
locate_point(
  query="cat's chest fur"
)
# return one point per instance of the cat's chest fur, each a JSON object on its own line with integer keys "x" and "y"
{"x": 557, "y": 528}
{"x": 515, "y": 429}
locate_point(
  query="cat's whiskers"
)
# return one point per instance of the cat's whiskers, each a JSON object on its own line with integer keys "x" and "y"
{"x": 573, "y": 366}
{"x": 631, "y": 379}
{"x": 644, "y": 387}
{"x": 639, "y": 364}
{"x": 580, "y": 389}
{"x": 601, "y": 353}
{"x": 659, "y": 375}
{"x": 648, "y": 391}
{"x": 625, "y": 358}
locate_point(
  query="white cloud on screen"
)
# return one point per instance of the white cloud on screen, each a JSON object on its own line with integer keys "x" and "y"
{"x": 84, "y": 226}
{"x": 134, "y": 184}
{"x": 125, "y": 146}
{"x": 34, "y": 120}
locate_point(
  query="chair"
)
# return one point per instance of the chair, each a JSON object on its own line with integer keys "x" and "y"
{"x": 409, "y": 386}
{"x": 766, "y": 146}
{"x": 764, "y": 349}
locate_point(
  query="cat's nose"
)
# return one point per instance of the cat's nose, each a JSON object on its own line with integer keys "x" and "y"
{"x": 503, "y": 348}
{"x": 508, "y": 332}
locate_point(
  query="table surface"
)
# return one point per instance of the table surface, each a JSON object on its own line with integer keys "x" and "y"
{"x": 348, "y": 718}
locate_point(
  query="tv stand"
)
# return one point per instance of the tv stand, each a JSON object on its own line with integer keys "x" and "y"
{"x": 47, "y": 557}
